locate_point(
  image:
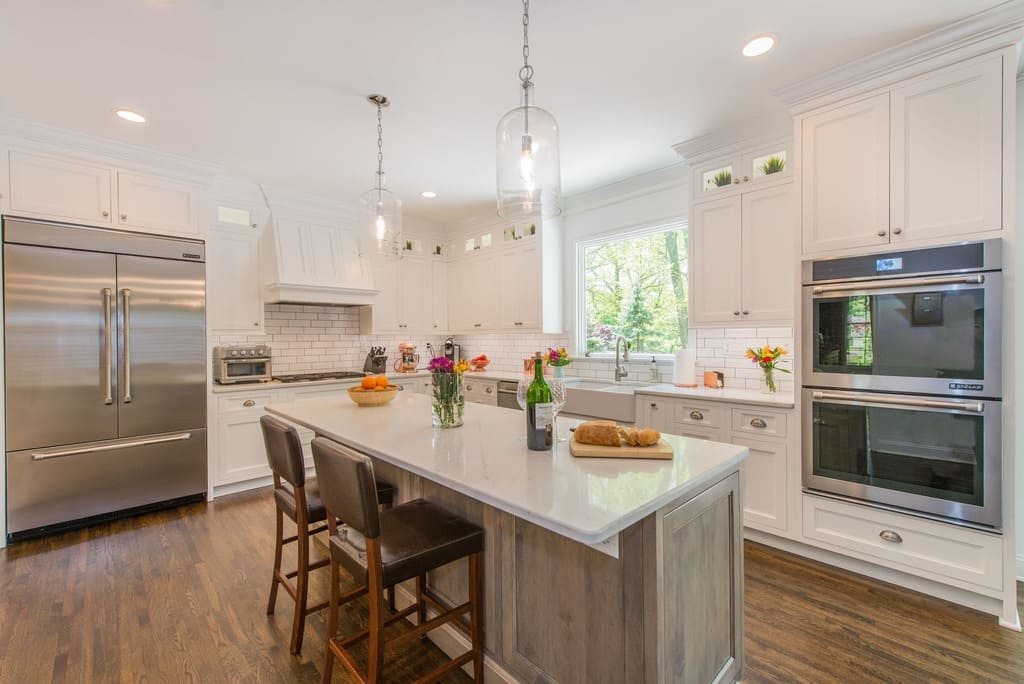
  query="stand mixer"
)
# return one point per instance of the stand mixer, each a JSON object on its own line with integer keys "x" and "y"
{"x": 408, "y": 359}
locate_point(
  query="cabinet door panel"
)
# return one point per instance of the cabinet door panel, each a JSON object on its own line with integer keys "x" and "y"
{"x": 528, "y": 287}
{"x": 768, "y": 255}
{"x": 156, "y": 203}
{"x": 234, "y": 298}
{"x": 385, "y": 304}
{"x": 764, "y": 484}
{"x": 509, "y": 303}
{"x": 241, "y": 454}
{"x": 439, "y": 297}
{"x": 62, "y": 188}
{"x": 845, "y": 176}
{"x": 414, "y": 306}
{"x": 715, "y": 236}
{"x": 947, "y": 153}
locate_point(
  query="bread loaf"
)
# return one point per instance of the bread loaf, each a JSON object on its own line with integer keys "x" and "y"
{"x": 598, "y": 432}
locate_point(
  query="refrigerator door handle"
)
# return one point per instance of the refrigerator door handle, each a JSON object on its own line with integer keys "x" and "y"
{"x": 108, "y": 348}
{"x": 74, "y": 451}
{"x": 126, "y": 294}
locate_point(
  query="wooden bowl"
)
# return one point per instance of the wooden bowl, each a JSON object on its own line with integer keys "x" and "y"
{"x": 373, "y": 397}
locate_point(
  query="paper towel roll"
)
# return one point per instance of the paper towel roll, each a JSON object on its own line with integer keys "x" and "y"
{"x": 684, "y": 373}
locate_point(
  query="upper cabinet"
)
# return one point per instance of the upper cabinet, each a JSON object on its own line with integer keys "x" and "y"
{"x": 234, "y": 301}
{"x": 60, "y": 188}
{"x": 919, "y": 162}
{"x": 76, "y": 191}
{"x": 738, "y": 169}
{"x": 412, "y": 298}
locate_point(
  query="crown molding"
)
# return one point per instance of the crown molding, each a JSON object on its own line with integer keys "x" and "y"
{"x": 672, "y": 177}
{"x": 995, "y": 28}
{"x": 734, "y": 139}
{"x": 64, "y": 142}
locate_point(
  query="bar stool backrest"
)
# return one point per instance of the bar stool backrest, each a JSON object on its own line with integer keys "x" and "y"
{"x": 347, "y": 486}
{"x": 284, "y": 450}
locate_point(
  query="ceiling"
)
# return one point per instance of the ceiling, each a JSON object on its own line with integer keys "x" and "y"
{"x": 274, "y": 91}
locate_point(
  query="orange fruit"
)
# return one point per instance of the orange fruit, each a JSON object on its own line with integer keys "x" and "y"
{"x": 368, "y": 382}
{"x": 381, "y": 381}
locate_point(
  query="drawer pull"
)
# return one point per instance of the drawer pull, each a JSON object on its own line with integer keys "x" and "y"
{"x": 696, "y": 415}
{"x": 891, "y": 536}
{"x": 489, "y": 390}
{"x": 758, "y": 423}
{"x": 248, "y": 403}
{"x": 653, "y": 405}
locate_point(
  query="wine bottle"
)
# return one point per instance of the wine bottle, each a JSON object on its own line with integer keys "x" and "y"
{"x": 539, "y": 409}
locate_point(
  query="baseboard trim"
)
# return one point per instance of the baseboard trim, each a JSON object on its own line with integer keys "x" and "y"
{"x": 1020, "y": 568}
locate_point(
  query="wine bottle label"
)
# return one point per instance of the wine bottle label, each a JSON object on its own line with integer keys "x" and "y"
{"x": 545, "y": 414}
{"x": 539, "y": 418}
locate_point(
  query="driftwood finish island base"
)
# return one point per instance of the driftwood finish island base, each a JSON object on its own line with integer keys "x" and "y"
{"x": 596, "y": 570}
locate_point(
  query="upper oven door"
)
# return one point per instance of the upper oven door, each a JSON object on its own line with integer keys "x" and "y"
{"x": 937, "y": 335}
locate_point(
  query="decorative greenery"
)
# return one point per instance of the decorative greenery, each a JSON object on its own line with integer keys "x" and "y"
{"x": 449, "y": 394}
{"x": 722, "y": 178}
{"x": 557, "y": 357}
{"x": 636, "y": 287}
{"x": 767, "y": 359}
{"x": 773, "y": 164}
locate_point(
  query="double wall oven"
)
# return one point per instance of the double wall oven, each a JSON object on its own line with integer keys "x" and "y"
{"x": 901, "y": 379}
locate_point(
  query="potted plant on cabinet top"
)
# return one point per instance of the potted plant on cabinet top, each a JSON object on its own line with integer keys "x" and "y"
{"x": 722, "y": 178}
{"x": 773, "y": 164}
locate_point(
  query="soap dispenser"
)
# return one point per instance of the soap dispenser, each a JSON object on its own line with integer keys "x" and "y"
{"x": 653, "y": 375}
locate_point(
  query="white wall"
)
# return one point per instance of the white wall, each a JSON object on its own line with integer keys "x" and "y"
{"x": 1019, "y": 335}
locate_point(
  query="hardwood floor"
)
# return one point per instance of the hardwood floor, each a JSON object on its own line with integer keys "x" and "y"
{"x": 180, "y": 595}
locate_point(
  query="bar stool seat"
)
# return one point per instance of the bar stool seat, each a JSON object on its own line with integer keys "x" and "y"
{"x": 415, "y": 537}
{"x": 315, "y": 511}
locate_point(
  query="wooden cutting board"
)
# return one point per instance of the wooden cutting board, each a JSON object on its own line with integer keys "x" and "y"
{"x": 662, "y": 450}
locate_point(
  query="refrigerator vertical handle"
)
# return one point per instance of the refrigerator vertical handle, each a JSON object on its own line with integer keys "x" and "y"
{"x": 108, "y": 348}
{"x": 126, "y": 294}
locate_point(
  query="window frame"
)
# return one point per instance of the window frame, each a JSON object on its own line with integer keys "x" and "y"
{"x": 578, "y": 340}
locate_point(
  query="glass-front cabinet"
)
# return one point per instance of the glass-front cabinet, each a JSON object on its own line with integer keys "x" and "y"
{"x": 740, "y": 172}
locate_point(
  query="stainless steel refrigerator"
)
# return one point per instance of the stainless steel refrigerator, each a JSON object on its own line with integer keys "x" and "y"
{"x": 105, "y": 373}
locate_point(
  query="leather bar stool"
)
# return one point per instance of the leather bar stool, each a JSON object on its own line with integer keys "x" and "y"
{"x": 402, "y": 543}
{"x": 301, "y": 503}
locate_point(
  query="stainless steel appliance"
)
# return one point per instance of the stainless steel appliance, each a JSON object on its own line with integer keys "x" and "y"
{"x": 241, "y": 363}
{"x": 452, "y": 351}
{"x": 901, "y": 380}
{"x": 507, "y": 390}
{"x": 325, "y": 375}
{"x": 105, "y": 357}
{"x": 923, "y": 321}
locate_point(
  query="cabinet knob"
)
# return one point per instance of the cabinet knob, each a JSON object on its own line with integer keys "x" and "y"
{"x": 105, "y": 212}
{"x": 735, "y": 313}
{"x": 746, "y": 179}
{"x": 653, "y": 405}
{"x": 256, "y": 324}
{"x": 469, "y": 388}
{"x": 255, "y": 225}
{"x": 758, "y": 423}
{"x": 891, "y": 536}
{"x": 489, "y": 390}
{"x": 897, "y": 231}
{"x": 696, "y": 415}
{"x": 746, "y": 313}
{"x": 881, "y": 233}
{"x": 124, "y": 216}
{"x": 248, "y": 403}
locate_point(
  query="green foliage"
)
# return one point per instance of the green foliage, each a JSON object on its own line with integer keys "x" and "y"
{"x": 636, "y": 287}
{"x": 773, "y": 164}
{"x": 722, "y": 178}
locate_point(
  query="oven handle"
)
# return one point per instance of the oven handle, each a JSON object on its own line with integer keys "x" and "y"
{"x": 974, "y": 407}
{"x": 890, "y": 284}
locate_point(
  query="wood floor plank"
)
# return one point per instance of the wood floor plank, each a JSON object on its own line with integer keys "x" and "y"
{"x": 180, "y": 596}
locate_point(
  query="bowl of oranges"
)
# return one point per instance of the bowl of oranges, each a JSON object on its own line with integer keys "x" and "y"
{"x": 374, "y": 390}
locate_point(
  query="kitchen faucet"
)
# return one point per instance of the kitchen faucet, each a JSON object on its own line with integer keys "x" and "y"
{"x": 430, "y": 350}
{"x": 620, "y": 357}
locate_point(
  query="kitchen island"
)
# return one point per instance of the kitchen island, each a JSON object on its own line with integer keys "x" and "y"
{"x": 596, "y": 570}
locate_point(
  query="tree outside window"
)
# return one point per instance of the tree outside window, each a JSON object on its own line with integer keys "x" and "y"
{"x": 636, "y": 287}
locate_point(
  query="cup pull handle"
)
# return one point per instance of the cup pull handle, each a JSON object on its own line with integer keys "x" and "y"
{"x": 696, "y": 415}
{"x": 891, "y": 536}
{"x": 758, "y": 423}
{"x": 248, "y": 403}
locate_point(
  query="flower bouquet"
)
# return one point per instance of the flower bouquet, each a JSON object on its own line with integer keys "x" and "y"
{"x": 557, "y": 359}
{"x": 449, "y": 397}
{"x": 767, "y": 359}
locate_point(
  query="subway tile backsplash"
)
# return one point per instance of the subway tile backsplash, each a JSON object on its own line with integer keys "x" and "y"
{"x": 306, "y": 338}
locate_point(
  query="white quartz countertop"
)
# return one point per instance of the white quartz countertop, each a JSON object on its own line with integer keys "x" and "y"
{"x": 736, "y": 396}
{"x": 585, "y": 499}
{"x": 275, "y": 384}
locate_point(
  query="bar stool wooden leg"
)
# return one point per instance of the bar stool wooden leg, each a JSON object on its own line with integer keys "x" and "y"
{"x": 332, "y": 620}
{"x": 421, "y": 603}
{"x": 301, "y": 587}
{"x": 476, "y": 618}
{"x": 278, "y": 546}
{"x": 391, "y": 590}
{"x": 375, "y": 672}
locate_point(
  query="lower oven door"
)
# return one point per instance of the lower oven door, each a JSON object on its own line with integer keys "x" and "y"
{"x": 930, "y": 455}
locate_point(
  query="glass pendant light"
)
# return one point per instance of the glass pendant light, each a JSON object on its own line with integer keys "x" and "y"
{"x": 381, "y": 209}
{"x": 529, "y": 174}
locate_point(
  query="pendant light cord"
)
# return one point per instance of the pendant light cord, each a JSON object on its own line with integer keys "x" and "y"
{"x": 526, "y": 71}
{"x": 380, "y": 149}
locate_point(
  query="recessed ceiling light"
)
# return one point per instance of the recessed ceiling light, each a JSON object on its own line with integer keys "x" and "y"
{"x": 429, "y": 194}
{"x": 758, "y": 45}
{"x": 129, "y": 115}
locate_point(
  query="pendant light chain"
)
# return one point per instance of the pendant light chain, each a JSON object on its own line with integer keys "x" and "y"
{"x": 380, "y": 147}
{"x": 526, "y": 71}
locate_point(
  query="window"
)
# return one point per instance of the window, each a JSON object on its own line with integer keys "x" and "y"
{"x": 634, "y": 286}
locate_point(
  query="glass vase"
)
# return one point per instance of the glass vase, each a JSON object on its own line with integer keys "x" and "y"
{"x": 448, "y": 400}
{"x": 559, "y": 371}
{"x": 768, "y": 385}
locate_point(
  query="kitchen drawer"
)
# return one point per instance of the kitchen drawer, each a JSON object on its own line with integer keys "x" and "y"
{"x": 940, "y": 549}
{"x": 690, "y": 413}
{"x": 697, "y": 432}
{"x": 758, "y": 422}
{"x": 323, "y": 391}
{"x": 245, "y": 402}
{"x": 482, "y": 392}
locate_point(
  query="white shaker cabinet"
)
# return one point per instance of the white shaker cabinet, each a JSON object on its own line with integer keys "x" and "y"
{"x": 157, "y": 204}
{"x": 60, "y": 188}
{"x": 946, "y": 156}
{"x": 845, "y": 176}
{"x": 240, "y": 453}
{"x": 439, "y": 297}
{"x": 716, "y": 230}
{"x": 742, "y": 258}
{"x": 234, "y": 298}
{"x": 409, "y": 288}
{"x": 521, "y": 288}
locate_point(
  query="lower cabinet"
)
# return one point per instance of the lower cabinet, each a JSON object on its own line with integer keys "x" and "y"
{"x": 482, "y": 391}
{"x": 240, "y": 453}
{"x": 762, "y": 431}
